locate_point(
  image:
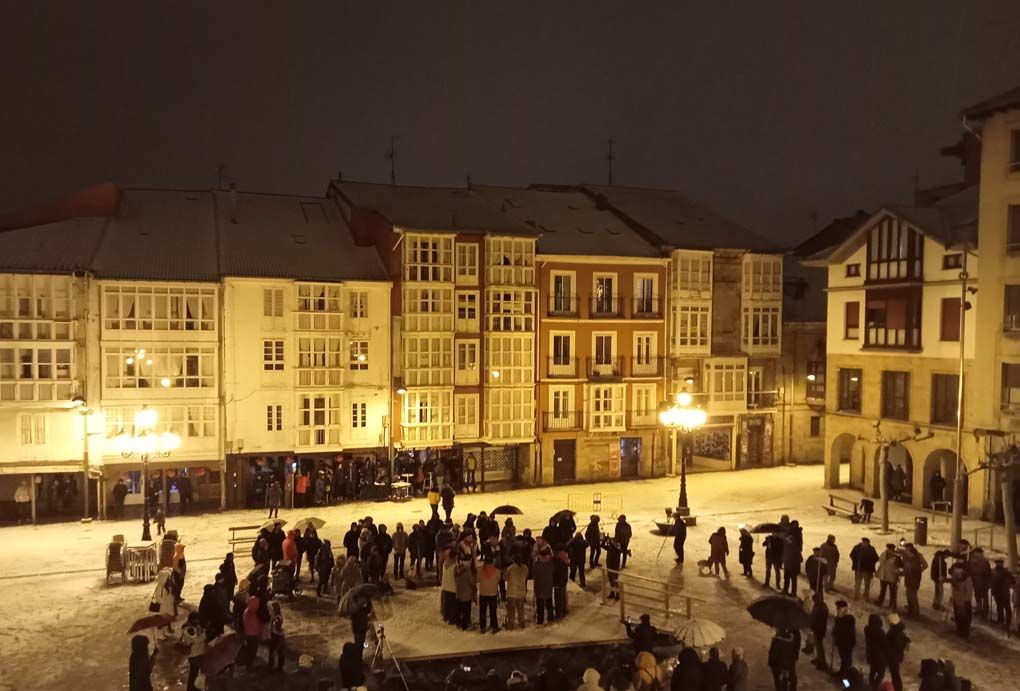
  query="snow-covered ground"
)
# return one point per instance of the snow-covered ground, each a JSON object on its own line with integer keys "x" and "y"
{"x": 66, "y": 629}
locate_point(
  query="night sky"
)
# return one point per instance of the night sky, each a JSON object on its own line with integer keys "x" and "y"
{"x": 769, "y": 110}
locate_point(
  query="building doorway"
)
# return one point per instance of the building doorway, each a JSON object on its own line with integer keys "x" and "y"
{"x": 564, "y": 460}
{"x": 630, "y": 457}
{"x": 755, "y": 442}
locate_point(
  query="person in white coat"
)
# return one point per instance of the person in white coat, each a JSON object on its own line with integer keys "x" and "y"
{"x": 591, "y": 679}
{"x": 163, "y": 599}
{"x": 23, "y": 498}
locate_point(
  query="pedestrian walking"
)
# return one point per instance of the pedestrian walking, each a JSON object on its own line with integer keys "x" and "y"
{"x": 159, "y": 518}
{"x": 614, "y": 555}
{"x": 623, "y": 536}
{"x": 488, "y": 596}
{"x": 277, "y": 640}
{"x": 542, "y": 575}
{"x": 896, "y": 642}
{"x": 939, "y": 574}
{"x": 719, "y": 549}
{"x": 448, "y": 499}
{"x": 274, "y": 497}
{"x": 914, "y": 566}
{"x": 863, "y": 560}
{"x": 844, "y": 636}
{"x": 746, "y": 553}
{"x": 140, "y": 664}
{"x": 774, "y": 545}
{"x": 829, "y": 551}
{"x": 679, "y": 537}
{"x": 516, "y": 577}
{"x": 593, "y": 536}
{"x": 875, "y": 650}
{"x": 890, "y": 567}
{"x": 576, "y": 549}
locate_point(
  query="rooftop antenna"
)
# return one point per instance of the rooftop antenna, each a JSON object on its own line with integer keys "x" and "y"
{"x": 609, "y": 160}
{"x": 392, "y": 155}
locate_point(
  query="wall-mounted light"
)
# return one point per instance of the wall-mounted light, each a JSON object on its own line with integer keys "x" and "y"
{"x": 495, "y": 374}
{"x": 165, "y": 382}
{"x": 811, "y": 377}
{"x": 401, "y": 390}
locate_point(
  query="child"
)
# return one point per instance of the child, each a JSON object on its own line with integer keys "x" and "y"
{"x": 276, "y": 639}
{"x": 160, "y": 519}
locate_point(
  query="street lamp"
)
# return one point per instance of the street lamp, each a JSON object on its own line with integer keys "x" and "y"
{"x": 682, "y": 416}
{"x": 145, "y": 442}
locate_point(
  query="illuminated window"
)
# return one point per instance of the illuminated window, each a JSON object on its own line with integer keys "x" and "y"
{"x": 359, "y": 304}
{"x": 159, "y": 308}
{"x": 428, "y": 258}
{"x": 467, "y": 263}
{"x": 319, "y": 420}
{"x": 318, "y": 307}
{"x": 359, "y": 355}
{"x": 428, "y": 360}
{"x": 320, "y": 361}
{"x": 607, "y": 407}
{"x": 272, "y": 302}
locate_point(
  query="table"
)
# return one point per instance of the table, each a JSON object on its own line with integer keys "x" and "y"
{"x": 142, "y": 562}
{"x": 401, "y": 491}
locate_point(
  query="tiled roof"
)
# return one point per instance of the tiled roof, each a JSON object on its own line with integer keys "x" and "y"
{"x": 434, "y": 209}
{"x": 569, "y": 222}
{"x": 679, "y": 222}
{"x": 62, "y": 247}
{"x": 1004, "y": 101}
{"x": 289, "y": 237}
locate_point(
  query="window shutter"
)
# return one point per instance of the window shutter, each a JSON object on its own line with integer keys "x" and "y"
{"x": 950, "y": 319}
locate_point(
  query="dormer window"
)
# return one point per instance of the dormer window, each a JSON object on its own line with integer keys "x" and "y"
{"x": 895, "y": 252}
{"x": 853, "y": 270}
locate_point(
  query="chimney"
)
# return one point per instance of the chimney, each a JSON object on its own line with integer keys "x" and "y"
{"x": 233, "y": 203}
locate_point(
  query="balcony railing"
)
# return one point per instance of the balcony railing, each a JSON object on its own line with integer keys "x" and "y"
{"x": 647, "y": 366}
{"x": 642, "y": 418}
{"x": 562, "y": 306}
{"x": 646, "y": 308}
{"x": 605, "y": 368}
{"x": 608, "y": 307}
{"x": 563, "y": 367}
{"x": 759, "y": 400}
{"x": 562, "y": 421}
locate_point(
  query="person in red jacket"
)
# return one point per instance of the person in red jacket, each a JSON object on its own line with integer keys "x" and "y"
{"x": 290, "y": 552}
{"x": 253, "y": 626}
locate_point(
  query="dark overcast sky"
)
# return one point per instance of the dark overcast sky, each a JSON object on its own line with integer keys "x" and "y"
{"x": 768, "y": 110}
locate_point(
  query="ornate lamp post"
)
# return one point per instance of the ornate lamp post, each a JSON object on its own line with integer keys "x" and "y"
{"x": 145, "y": 442}
{"x": 682, "y": 417}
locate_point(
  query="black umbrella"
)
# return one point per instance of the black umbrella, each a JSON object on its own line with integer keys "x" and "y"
{"x": 260, "y": 571}
{"x": 506, "y": 510}
{"x": 767, "y": 528}
{"x": 779, "y": 612}
{"x": 353, "y": 597}
{"x": 560, "y": 515}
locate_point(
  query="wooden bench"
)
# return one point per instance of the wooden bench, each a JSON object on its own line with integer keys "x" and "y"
{"x": 243, "y": 535}
{"x": 843, "y": 507}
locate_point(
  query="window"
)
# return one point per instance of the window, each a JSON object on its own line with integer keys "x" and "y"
{"x": 274, "y": 417}
{"x": 427, "y": 417}
{"x": 645, "y": 405}
{"x": 1011, "y": 308}
{"x": 510, "y": 309}
{"x": 849, "y": 399}
{"x": 161, "y": 366}
{"x": 607, "y": 407}
{"x": 318, "y": 307}
{"x": 428, "y": 360}
{"x": 952, "y": 261}
{"x": 853, "y": 270}
{"x": 561, "y": 402}
{"x": 467, "y": 363}
{"x": 604, "y": 362}
{"x": 359, "y": 355}
{"x": 563, "y": 300}
{"x": 272, "y": 356}
{"x": 33, "y": 430}
{"x": 428, "y": 309}
{"x": 603, "y": 297}
{"x": 159, "y": 308}
{"x": 1013, "y": 227}
{"x": 816, "y": 426}
{"x": 644, "y": 362}
{"x": 359, "y": 304}
{"x": 359, "y": 415}
{"x": 761, "y": 329}
{"x": 852, "y": 320}
{"x": 510, "y": 413}
{"x": 1014, "y": 150}
{"x": 895, "y": 251}
{"x": 319, "y": 361}
{"x": 896, "y": 395}
{"x": 272, "y": 302}
{"x": 561, "y": 348}
{"x": 893, "y": 318}
{"x": 944, "y": 390}
{"x": 467, "y": 312}
{"x": 512, "y": 356}
{"x": 646, "y": 299}
{"x": 725, "y": 380}
{"x": 692, "y": 274}
{"x": 510, "y": 261}
{"x": 319, "y": 420}
{"x": 35, "y": 297}
{"x": 763, "y": 277}
{"x": 188, "y": 421}
{"x": 949, "y": 326}
{"x": 465, "y": 416}
{"x": 816, "y": 380}
{"x": 428, "y": 258}
{"x": 467, "y": 263}
{"x": 35, "y": 363}
{"x": 691, "y": 325}
{"x": 1011, "y": 386}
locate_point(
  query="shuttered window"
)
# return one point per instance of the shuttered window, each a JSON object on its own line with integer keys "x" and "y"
{"x": 950, "y": 329}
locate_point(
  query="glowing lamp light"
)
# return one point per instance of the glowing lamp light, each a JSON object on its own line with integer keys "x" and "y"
{"x": 361, "y": 357}
{"x": 148, "y": 361}
{"x": 145, "y": 419}
{"x": 684, "y": 399}
{"x": 141, "y": 352}
{"x": 811, "y": 377}
{"x": 401, "y": 390}
{"x": 165, "y": 382}
{"x": 495, "y": 374}
{"x": 130, "y": 360}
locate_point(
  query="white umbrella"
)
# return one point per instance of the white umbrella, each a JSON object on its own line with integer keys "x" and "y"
{"x": 699, "y": 633}
{"x": 274, "y": 521}
{"x": 312, "y": 521}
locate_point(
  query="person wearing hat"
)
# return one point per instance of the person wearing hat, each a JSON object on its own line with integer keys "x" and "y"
{"x": 844, "y": 636}
{"x": 1002, "y": 582}
{"x": 890, "y": 566}
{"x": 896, "y": 641}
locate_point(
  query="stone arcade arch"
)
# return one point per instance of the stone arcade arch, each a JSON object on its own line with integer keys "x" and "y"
{"x": 845, "y": 450}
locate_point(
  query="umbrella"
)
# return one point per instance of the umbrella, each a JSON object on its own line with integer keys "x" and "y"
{"x": 767, "y": 528}
{"x": 699, "y": 633}
{"x": 311, "y": 521}
{"x": 560, "y": 515}
{"x": 151, "y": 621}
{"x": 506, "y": 510}
{"x": 268, "y": 525}
{"x": 365, "y": 591}
{"x": 260, "y": 571}
{"x": 221, "y": 653}
{"x": 779, "y": 612}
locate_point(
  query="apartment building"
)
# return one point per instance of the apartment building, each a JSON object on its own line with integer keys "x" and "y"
{"x": 724, "y": 296}
{"x": 464, "y": 323}
{"x": 601, "y": 338}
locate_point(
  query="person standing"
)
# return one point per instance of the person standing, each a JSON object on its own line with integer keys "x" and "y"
{"x": 23, "y": 500}
{"x": 844, "y": 636}
{"x": 277, "y": 641}
{"x": 816, "y": 569}
{"x": 939, "y": 573}
{"x": 819, "y": 625}
{"x": 830, "y": 553}
{"x": 324, "y": 564}
{"x": 644, "y": 635}
{"x": 542, "y": 574}
{"x": 981, "y": 578}
{"x": 560, "y": 579}
{"x": 301, "y": 490}
{"x": 914, "y": 566}
{"x": 140, "y": 664}
{"x": 593, "y": 536}
{"x": 679, "y": 537}
{"x": 351, "y": 538}
{"x": 890, "y": 566}
{"x": 715, "y": 672}
{"x": 470, "y": 467}
{"x": 516, "y": 577}
{"x": 738, "y": 677}
{"x": 253, "y": 626}
{"x": 623, "y": 535}
{"x": 488, "y": 595}
{"x": 783, "y": 659}
{"x": 120, "y": 491}
{"x": 384, "y": 543}
{"x": 937, "y": 484}
{"x": 874, "y": 650}
{"x": 447, "y": 496}
{"x": 274, "y": 497}
{"x": 1002, "y": 582}
{"x": 719, "y": 549}
{"x": 792, "y": 560}
{"x": 746, "y": 553}
{"x": 193, "y": 637}
{"x": 466, "y": 584}
{"x": 576, "y": 548}
{"x": 863, "y": 559}
{"x": 400, "y": 540}
{"x": 774, "y": 544}
{"x": 896, "y": 646}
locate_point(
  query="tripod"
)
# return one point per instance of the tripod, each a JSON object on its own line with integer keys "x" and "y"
{"x": 380, "y": 643}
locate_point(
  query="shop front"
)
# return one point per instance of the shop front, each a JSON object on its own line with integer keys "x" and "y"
{"x": 179, "y": 487}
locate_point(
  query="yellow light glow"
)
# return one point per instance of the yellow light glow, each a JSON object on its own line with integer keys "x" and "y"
{"x": 168, "y": 441}
{"x": 148, "y": 362}
{"x": 495, "y": 374}
{"x": 165, "y": 382}
{"x": 130, "y": 360}
{"x": 684, "y": 399}
{"x": 141, "y": 352}
{"x": 810, "y": 377}
{"x": 145, "y": 419}
{"x": 361, "y": 357}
